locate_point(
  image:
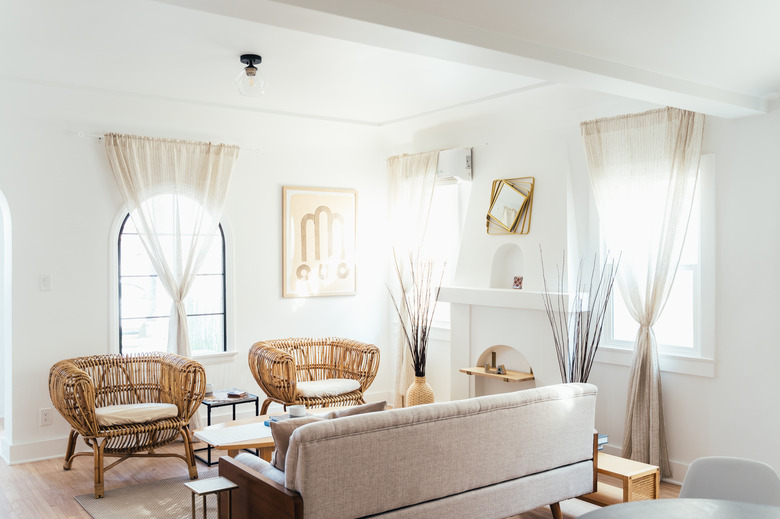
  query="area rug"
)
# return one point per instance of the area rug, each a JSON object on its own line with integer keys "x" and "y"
{"x": 167, "y": 498}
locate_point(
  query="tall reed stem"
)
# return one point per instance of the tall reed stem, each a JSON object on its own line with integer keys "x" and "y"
{"x": 577, "y": 319}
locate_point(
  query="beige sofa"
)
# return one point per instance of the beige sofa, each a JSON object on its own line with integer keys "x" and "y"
{"x": 488, "y": 457}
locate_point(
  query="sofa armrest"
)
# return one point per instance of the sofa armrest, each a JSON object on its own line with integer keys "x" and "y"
{"x": 257, "y": 495}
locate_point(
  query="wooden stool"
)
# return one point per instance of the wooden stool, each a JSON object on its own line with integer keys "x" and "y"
{"x": 638, "y": 481}
{"x": 205, "y": 487}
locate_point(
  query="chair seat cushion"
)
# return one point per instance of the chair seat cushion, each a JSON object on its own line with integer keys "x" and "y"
{"x": 327, "y": 387}
{"x": 134, "y": 413}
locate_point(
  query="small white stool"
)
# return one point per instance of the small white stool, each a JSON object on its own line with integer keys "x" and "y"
{"x": 204, "y": 487}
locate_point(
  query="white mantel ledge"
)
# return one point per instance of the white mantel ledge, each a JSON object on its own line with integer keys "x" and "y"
{"x": 498, "y": 297}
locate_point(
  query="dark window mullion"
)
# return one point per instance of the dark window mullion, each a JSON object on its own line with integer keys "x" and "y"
{"x": 153, "y": 276}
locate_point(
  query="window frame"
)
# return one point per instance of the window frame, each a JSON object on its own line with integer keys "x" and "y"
{"x": 700, "y": 360}
{"x": 229, "y": 353}
{"x": 442, "y": 319}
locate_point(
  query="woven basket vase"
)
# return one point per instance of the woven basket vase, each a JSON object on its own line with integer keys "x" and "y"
{"x": 420, "y": 392}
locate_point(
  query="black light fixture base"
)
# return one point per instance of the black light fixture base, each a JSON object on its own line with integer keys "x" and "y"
{"x": 251, "y": 59}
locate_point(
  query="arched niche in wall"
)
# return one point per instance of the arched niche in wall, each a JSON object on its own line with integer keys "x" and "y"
{"x": 511, "y": 359}
{"x": 507, "y": 263}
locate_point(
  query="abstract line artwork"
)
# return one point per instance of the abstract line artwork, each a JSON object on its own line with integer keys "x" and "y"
{"x": 319, "y": 241}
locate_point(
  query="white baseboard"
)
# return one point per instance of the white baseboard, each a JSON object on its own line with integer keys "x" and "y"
{"x": 17, "y": 453}
{"x": 378, "y": 396}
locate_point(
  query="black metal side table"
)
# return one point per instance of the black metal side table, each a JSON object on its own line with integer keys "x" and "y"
{"x": 220, "y": 399}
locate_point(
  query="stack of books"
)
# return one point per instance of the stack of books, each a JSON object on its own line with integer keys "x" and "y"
{"x": 602, "y": 441}
{"x": 236, "y": 393}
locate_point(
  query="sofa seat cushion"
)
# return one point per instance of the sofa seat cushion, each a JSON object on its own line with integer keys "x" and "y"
{"x": 261, "y": 466}
{"x": 134, "y": 413}
{"x": 327, "y": 387}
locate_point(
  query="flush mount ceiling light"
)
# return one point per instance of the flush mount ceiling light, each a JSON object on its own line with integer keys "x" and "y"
{"x": 249, "y": 82}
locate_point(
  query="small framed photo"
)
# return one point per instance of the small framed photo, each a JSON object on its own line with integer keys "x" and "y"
{"x": 318, "y": 241}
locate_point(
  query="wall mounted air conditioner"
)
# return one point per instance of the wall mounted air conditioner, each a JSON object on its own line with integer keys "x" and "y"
{"x": 454, "y": 164}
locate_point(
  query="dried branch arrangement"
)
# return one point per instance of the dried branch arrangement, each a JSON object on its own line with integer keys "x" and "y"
{"x": 416, "y": 305}
{"x": 577, "y": 318}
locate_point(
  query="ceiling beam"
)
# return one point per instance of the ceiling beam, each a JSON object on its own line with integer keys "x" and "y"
{"x": 380, "y": 24}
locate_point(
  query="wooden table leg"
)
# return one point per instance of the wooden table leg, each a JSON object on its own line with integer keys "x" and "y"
{"x": 265, "y": 453}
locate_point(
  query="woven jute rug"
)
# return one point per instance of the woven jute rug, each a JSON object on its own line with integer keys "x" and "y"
{"x": 164, "y": 499}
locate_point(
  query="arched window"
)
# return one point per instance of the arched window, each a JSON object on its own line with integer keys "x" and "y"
{"x": 145, "y": 306}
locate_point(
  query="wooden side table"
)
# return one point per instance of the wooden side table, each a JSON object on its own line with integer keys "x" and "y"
{"x": 638, "y": 481}
{"x": 218, "y": 485}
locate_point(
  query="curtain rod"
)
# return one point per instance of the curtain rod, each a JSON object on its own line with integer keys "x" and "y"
{"x": 82, "y": 135}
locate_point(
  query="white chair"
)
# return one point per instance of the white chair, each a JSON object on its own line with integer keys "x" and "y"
{"x": 734, "y": 479}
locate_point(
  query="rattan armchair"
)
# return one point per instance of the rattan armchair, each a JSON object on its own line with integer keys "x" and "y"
{"x": 80, "y": 386}
{"x": 280, "y": 365}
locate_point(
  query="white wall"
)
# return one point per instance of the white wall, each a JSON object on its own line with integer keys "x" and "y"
{"x": 63, "y": 200}
{"x": 532, "y": 134}
{"x": 732, "y": 413}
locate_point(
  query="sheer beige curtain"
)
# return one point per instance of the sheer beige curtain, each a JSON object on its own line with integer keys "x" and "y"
{"x": 174, "y": 191}
{"x": 412, "y": 180}
{"x": 643, "y": 169}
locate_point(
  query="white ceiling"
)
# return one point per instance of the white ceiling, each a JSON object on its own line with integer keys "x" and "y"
{"x": 378, "y": 61}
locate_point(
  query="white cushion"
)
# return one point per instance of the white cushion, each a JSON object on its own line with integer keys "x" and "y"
{"x": 134, "y": 413}
{"x": 327, "y": 387}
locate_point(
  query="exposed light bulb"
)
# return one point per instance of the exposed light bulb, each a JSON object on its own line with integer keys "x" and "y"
{"x": 249, "y": 82}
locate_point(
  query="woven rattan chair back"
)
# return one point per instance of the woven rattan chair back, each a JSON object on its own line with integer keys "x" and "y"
{"x": 278, "y": 365}
{"x": 79, "y": 386}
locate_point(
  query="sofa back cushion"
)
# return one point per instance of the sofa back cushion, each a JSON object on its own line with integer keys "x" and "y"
{"x": 281, "y": 431}
{"x": 368, "y": 464}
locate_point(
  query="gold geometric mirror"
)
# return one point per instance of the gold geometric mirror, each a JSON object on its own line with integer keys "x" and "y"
{"x": 511, "y": 202}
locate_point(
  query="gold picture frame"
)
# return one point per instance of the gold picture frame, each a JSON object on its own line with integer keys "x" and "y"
{"x": 318, "y": 241}
{"x": 511, "y": 203}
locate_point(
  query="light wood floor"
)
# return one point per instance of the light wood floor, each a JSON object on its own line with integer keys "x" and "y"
{"x": 42, "y": 489}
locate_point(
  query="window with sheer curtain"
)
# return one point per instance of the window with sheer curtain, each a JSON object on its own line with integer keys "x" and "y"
{"x": 684, "y": 329}
{"x": 144, "y": 304}
{"x": 444, "y": 236}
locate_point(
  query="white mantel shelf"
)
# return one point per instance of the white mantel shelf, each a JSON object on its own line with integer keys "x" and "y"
{"x": 498, "y": 297}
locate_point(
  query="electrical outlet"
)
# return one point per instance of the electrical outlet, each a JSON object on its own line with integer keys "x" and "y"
{"x": 44, "y": 415}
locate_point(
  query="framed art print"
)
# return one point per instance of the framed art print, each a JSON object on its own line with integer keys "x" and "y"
{"x": 318, "y": 241}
